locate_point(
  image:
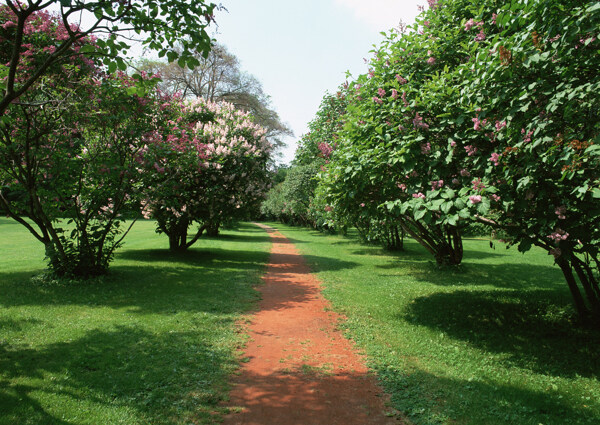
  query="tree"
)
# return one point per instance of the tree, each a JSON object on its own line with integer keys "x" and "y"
{"x": 485, "y": 112}
{"x": 207, "y": 164}
{"x": 218, "y": 77}
{"x": 21, "y": 20}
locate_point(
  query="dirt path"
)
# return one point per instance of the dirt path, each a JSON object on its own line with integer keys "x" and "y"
{"x": 300, "y": 369}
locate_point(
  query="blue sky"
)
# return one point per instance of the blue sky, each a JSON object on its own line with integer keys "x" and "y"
{"x": 300, "y": 49}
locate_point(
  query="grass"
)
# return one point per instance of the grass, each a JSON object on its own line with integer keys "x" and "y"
{"x": 154, "y": 342}
{"x": 491, "y": 342}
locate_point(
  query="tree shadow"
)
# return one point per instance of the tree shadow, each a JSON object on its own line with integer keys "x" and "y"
{"x": 155, "y": 376}
{"x": 306, "y": 394}
{"x": 530, "y": 333}
{"x": 197, "y": 257}
{"x": 474, "y": 402}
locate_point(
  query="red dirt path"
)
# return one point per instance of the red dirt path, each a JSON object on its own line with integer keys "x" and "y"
{"x": 301, "y": 370}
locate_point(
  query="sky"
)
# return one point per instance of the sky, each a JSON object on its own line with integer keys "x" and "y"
{"x": 301, "y": 49}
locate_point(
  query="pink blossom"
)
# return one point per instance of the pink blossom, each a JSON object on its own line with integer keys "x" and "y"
{"x": 377, "y": 100}
{"x": 381, "y": 92}
{"x": 471, "y": 150}
{"x": 558, "y": 235}
{"x": 394, "y": 94}
{"x": 495, "y": 159}
{"x": 560, "y": 212}
{"x": 418, "y": 122}
{"x": 452, "y": 143}
{"x": 464, "y": 173}
{"x": 472, "y": 23}
{"x": 8, "y": 24}
{"x": 527, "y": 136}
{"x": 425, "y": 148}
{"x": 433, "y": 4}
{"x": 477, "y": 184}
{"x": 371, "y": 73}
{"x": 437, "y": 184}
{"x": 362, "y": 205}
{"x": 500, "y": 125}
{"x": 475, "y": 199}
{"x": 418, "y": 195}
{"x": 495, "y": 197}
{"x": 431, "y": 60}
{"x": 400, "y": 79}
{"x": 494, "y": 17}
{"x": 404, "y": 98}
{"x": 426, "y": 23}
{"x": 325, "y": 149}
{"x": 480, "y": 36}
{"x": 402, "y": 186}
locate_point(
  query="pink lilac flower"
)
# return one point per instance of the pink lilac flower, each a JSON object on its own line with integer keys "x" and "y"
{"x": 437, "y": 184}
{"x": 325, "y": 149}
{"x": 402, "y": 186}
{"x": 418, "y": 122}
{"x": 500, "y": 125}
{"x": 477, "y": 184}
{"x": 426, "y": 23}
{"x": 425, "y": 148}
{"x": 431, "y": 60}
{"x": 418, "y": 195}
{"x": 400, "y": 79}
{"x": 433, "y": 4}
{"x": 8, "y": 24}
{"x": 394, "y": 94}
{"x": 475, "y": 199}
{"x": 452, "y": 143}
{"x": 558, "y": 235}
{"x": 472, "y": 23}
{"x": 495, "y": 159}
{"x": 480, "y": 36}
{"x": 495, "y": 197}
{"x": 371, "y": 73}
{"x": 526, "y": 137}
{"x": 381, "y": 92}
{"x": 362, "y": 205}
{"x": 377, "y": 100}
{"x": 556, "y": 37}
{"x": 471, "y": 150}
{"x": 560, "y": 212}
{"x": 494, "y": 17}
{"x": 404, "y": 98}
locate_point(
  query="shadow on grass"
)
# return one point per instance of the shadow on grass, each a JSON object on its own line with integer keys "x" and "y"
{"x": 157, "y": 376}
{"x": 533, "y": 334}
{"x": 476, "y": 402}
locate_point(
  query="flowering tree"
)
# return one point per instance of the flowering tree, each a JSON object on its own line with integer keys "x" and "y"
{"x": 26, "y": 62}
{"x": 207, "y": 163}
{"x": 485, "y": 112}
{"x": 66, "y": 149}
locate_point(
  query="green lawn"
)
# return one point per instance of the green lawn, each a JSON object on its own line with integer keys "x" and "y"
{"x": 152, "y": 343}
{"x": 488, "y": 343}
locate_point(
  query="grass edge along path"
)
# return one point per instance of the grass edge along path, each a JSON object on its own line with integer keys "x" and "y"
{"x": 488, "y": 343}
{"x": 154, "y": 342}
